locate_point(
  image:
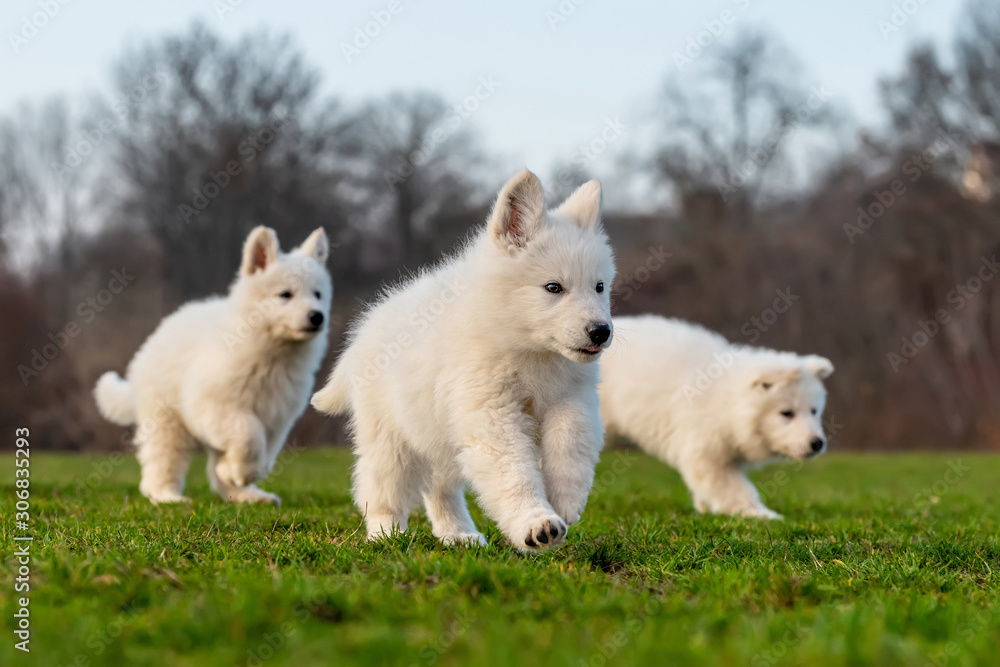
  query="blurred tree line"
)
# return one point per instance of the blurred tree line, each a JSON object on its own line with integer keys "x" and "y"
{"x": 882, "y": 259}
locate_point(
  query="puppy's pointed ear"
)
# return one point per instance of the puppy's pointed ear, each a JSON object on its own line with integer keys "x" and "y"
{"x": 775, "y": 377}
{"x": 518, "y": 212}
{"x": 316, "y": 246}
{"x": 819, "y": 366}
{"x": 259, "y": 251}
{"x": 584, "y": 206}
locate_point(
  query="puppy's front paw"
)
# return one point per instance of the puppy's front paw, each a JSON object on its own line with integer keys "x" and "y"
{"x": 545, "y": 532}
{"x": 251, "y": 494}
{"x": 167, "y": 498}
{"x": 762, "y": 513}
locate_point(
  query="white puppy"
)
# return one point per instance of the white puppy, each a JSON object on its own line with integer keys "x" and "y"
{"x": 481, "y": 370}
{"x": 232, "y": 373}
{"x": 712, "y": 409}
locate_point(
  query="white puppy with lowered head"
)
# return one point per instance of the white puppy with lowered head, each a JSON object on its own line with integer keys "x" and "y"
{"x": 482, "y": 370}
{"x": 712, "y": 409}
{"x": 232, "y": 373}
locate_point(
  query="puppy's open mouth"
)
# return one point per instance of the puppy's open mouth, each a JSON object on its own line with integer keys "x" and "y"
{"x": 312, "y": 329}
{"x": 592, "y": 350}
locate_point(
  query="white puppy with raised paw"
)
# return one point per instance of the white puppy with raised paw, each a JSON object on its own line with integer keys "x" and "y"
{"x": 482, "y": 371}
{"x": 229, "y": 373}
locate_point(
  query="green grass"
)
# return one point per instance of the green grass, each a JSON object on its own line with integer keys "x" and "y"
{"x": 868, "y": 568}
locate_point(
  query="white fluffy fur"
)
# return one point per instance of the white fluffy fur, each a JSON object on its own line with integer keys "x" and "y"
{"x": 474, "y": 372}
{"x": 709, "y": 408}
{"x": 232, "y": 373}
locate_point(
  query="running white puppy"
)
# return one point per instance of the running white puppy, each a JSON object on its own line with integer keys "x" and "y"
{"x": 459, "y": 374}
{"x": 233, "y": 373}
{"x": 712, "y": 409}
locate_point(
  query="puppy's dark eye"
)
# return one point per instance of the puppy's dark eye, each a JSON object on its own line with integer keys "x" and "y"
{"x": 286, "y": 294}
{"x": 600, "y": 287}
{"x": 787, "y": 414}
{"x": 317, "y": 295}
{"x": 813, "y": 411}
{"x": 554, "y": 287}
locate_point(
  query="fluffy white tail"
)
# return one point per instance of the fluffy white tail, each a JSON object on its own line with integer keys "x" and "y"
{"x": 114, "y": 399}
{"x": 334, "y": 398}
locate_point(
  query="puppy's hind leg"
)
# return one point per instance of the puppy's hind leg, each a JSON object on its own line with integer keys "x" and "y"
{"x": 388, "y": 479}
{"x": 164, "y": 453}
{"x": 448, "y": 512}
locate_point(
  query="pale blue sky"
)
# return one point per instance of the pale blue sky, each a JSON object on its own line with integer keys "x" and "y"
{"x": 557, "y": 87}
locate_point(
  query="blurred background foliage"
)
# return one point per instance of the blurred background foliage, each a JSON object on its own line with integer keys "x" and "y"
{"x": 881, "y": 259}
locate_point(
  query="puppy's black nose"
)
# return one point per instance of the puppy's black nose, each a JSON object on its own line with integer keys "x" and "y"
{"x": 599, "y": 333}
{"x": 817, "y": 444}
{"x": 316, "y": 318}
